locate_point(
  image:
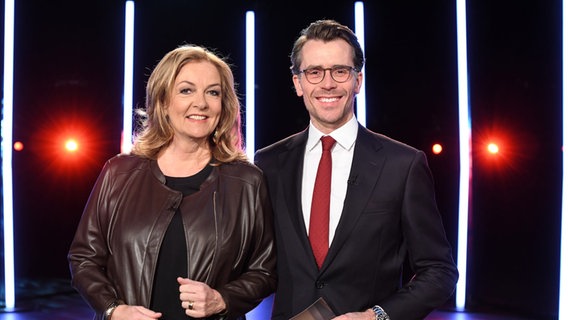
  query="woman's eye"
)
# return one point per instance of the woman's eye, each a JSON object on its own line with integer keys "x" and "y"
{"x": 185, "y": 91}
{"x": 215, "y": 93}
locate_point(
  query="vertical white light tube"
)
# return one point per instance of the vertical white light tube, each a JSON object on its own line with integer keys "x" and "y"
{"x": 563, "y": 289}
{"x": 465, "y": 153}
{"x": 127, "y": 104}
{"x": 361, "y": 107}
{"x": 264, "y": 309}
{"x": 250, "y": 85}
{"x": 7, "y": 183}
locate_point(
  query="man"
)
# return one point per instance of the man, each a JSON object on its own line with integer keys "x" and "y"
{"x": 381, "y": 208}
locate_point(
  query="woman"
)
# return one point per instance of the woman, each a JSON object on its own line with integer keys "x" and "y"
{"x": 182, "y": 226}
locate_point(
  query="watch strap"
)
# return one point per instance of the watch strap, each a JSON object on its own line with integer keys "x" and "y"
{"x": 110, "y": 309}
{"x": 380, "y": 314}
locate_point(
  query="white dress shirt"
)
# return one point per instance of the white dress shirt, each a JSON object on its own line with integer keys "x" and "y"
{"x": 342, "y": 157}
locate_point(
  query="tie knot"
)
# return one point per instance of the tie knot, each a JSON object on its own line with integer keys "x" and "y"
{"x": 327, "y": 143}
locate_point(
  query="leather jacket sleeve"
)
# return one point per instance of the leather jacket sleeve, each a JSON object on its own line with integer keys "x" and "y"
{"x": 89, "y": 250}
{"x": 259, "y": 280}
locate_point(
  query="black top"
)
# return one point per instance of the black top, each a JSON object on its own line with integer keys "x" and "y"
{"x": 172, "y": 262}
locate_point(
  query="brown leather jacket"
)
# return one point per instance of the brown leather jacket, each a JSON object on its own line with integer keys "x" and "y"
{"x": 228, "y": 224}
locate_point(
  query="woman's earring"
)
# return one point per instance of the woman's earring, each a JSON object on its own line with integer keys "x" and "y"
{"x": 214, "y": 136}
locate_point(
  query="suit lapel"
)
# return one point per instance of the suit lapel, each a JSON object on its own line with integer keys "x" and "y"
{"x": 291, "y": 164}
{"x": 365, "y": 171}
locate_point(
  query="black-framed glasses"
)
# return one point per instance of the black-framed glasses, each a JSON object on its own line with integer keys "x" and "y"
{"x": 316, "y": 75}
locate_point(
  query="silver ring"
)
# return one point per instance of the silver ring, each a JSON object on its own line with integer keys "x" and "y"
{"x": 189, "y": 305}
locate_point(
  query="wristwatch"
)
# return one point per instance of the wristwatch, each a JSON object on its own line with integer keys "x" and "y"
{"x": 110, "y": 309}
{"x": 380, "y": 314}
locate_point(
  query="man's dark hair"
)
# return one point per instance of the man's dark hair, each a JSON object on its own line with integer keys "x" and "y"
{"x": 326, "y": 30}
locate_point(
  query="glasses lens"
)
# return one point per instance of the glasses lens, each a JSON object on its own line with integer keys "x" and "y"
{"x": 314, "y": 75}
{"x": 341, "y": 74}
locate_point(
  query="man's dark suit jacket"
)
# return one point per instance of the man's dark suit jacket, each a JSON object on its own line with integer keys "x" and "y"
{"x": 390, "y": 213}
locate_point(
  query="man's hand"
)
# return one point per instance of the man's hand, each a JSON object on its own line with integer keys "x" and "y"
{"x": 366, "y": 315}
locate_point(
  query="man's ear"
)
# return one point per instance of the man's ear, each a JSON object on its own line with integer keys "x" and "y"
{"x": 359, "y": 82}
{"x": 297, "y": 85}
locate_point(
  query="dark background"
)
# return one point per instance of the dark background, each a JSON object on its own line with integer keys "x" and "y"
{"x": 69, "y": 76}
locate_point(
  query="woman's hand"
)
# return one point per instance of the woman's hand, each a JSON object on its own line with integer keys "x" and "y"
{"x": 126, "y": 312}
{"x": 198, "y": 299}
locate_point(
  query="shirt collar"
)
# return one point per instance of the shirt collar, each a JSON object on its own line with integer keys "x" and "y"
{"x": 344, "y": 135}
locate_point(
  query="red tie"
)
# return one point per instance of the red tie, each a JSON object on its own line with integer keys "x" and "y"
{"x": 319, "y": 217}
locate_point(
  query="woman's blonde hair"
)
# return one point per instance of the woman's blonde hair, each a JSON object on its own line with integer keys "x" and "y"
{"x": 156, "y": 132}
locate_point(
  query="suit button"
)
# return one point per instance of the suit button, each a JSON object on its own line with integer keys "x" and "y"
{"x": 320, "y": 284}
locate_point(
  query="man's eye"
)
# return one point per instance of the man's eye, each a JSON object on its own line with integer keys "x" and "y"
{"x": 313, "y": 72}
{"x": 341, "y": 71}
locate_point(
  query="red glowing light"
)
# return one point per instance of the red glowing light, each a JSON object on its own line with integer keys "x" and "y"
{"x": 71, "y": 145}
{"x": 437, "y": 148}
{"x": 18, "y": 146}
{"x": 493, "y": 148}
